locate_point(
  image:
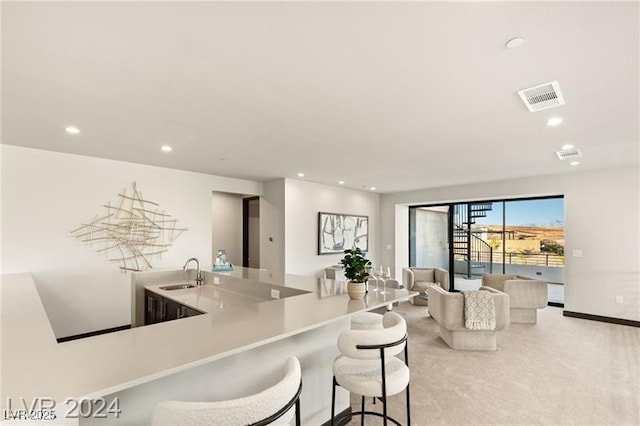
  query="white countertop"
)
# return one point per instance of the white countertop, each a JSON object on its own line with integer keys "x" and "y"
{"x": 33, "y": 364}
{"x": 222, "y": 294}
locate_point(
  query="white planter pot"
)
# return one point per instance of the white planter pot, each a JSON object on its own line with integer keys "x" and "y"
{"x": 356, "y": 290}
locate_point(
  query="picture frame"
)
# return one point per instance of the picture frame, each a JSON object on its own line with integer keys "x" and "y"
{"x": 338, "y": 232}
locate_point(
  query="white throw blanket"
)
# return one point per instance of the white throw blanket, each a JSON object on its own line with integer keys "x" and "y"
{"x": 479, "y": 310}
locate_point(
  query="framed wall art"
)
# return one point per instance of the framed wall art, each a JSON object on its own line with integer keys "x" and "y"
{"x": 338, "y": 232}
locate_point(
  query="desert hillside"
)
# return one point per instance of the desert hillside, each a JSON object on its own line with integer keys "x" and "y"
{"x": 531, "y": 232}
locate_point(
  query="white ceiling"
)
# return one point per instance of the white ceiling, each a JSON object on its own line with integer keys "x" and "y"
{"x": 398, "y": 96}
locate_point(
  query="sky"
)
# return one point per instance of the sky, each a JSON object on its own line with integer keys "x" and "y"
{"x": 544, "y": 212}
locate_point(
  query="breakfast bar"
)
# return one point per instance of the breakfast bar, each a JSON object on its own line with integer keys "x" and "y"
{"x": 251, "y": 321}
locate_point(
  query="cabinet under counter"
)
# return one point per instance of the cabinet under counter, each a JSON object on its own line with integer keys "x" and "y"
{"x": 160, "y": 309}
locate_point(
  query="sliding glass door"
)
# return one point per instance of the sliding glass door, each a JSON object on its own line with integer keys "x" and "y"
{"x": 429, "y": 236}
{"x": 534, "y": 246}
{"x": 470, "y": 239}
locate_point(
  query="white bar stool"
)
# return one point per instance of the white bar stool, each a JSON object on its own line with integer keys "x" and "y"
{"x": 256, "y": 410}
{"x": 366, "y": 321}
{"x": 368, "y": 365}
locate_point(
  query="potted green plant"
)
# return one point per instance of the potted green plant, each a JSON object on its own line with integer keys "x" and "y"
{"x": 356, "y": 268}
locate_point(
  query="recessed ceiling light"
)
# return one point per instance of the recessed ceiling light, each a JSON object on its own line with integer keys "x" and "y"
{"x": 373, "y": 188}
{"x": 340, "y": 182}
{"x": 574, "y": 163}
{"x": 515, "y": 42}
{"x": 166, "y": 148}
{"x": 567, "y": 146}
{"x": 300, "y": 174}
{"x": 554, "y": 121}
{"x": 73, "y": 130}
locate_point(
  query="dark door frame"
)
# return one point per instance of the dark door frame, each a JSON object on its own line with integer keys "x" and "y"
{"x": 245, "y": 229}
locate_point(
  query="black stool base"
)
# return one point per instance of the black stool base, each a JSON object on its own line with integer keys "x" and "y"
{"x": 345, "y": 419}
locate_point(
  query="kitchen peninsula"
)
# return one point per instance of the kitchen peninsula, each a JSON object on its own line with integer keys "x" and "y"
{"x": 252, "y": 320}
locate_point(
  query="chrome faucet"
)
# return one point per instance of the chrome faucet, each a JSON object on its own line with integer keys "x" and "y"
{"x": 199, "y": 278}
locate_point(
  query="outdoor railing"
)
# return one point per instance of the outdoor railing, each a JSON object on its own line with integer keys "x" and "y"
{"x": 540, "y": 259}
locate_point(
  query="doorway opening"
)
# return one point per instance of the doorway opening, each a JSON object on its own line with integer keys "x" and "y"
{"x": 251, "y": 232}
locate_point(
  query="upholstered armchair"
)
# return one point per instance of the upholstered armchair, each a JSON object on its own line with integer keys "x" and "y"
{"x": 448, "y": 311}
{"x": 526, "y": 295}
{"x": 419, "y": 279}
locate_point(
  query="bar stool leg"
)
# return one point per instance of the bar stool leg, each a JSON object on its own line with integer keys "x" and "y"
{"x": 384, "y": 410}
{"x": 333, "y": 402}
{"x": 384, "y": 387}
{"x": 406, "y": 361}
{"x": 408, "y": 408}
{"x": 362, "y": 416}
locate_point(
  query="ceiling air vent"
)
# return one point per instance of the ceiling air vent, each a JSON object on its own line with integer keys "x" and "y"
{"x": 542, "y": 96}
{"x": 564, "y": 154}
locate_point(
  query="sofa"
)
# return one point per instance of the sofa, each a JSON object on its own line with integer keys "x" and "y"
{"x": 526, "y": 295}
{"x": 447, "y": 309}
{"x": 420, "y": 279}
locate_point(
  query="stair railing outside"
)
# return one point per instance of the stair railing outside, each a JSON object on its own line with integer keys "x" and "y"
{"x": 466, "y": 244}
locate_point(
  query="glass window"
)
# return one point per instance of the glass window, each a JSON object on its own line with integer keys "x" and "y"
{"x": 523, "y": 237}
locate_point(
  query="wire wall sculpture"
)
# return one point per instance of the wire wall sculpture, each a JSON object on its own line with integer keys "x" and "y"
{"x": 132, "y": 231}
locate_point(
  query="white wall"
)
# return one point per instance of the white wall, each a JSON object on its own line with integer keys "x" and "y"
{"x": 226, "y": 217}
{"x": 47, "y": 194}
{"x": 401, "y": 237}
{"x": 303, "y": 201}
{"x": 602, "y": 217}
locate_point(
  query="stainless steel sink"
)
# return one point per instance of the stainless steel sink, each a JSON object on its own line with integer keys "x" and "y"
{"x": 178, "y": 286}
